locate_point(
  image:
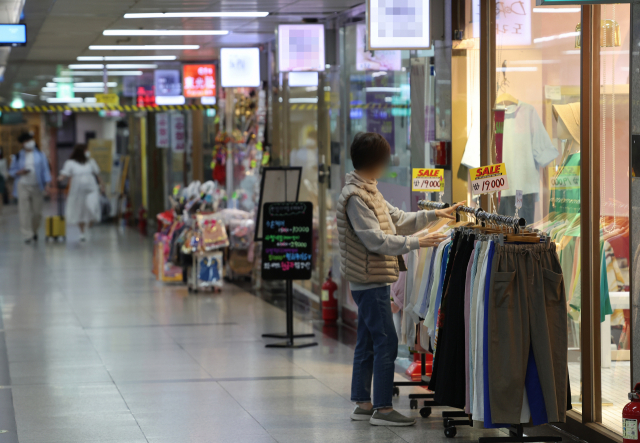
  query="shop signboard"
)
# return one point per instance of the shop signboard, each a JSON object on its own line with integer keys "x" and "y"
{"x": 167, "y": 82}
{"x": 487, "y": 179}
{"x": 240, "y": 67}
{"x": 583, "y": 2}
{"x": 287, "y": 244}
{"x": 177, "y": 133}
{"x": 199, "y": 80}
{"x": 129, "y": 86}
{"x": 301, "y": 47}
{"x": 427, "y": 180}
{"x": 108, "y": 99}
{"x": 162, "y": 130}
{"x": 406, "y": 27}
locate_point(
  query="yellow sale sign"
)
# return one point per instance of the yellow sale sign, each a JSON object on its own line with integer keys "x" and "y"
{"x": 427, "y": 180}
{"x": 486, "y": 179}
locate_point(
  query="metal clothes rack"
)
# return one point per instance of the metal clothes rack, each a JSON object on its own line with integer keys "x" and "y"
{"x": 516, "y": 432}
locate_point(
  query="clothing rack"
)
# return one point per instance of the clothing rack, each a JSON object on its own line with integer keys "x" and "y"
{"x": 516, "y": 435}
{"x": 430, "y": 205}
{"x": 483, "y": 216}
{"x": 426, "y": 410}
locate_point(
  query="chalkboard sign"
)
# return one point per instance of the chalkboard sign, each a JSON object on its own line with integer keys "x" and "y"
{"x": 287, "y": 237}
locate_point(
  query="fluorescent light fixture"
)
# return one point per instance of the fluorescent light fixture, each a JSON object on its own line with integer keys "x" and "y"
{"x": 170, "y": 100}
{"x": 208, "y": 100}
{"x": 303, "y": 79}
{"x": 196, "y": 14}
{"x": 63, "y": 79}
{"x": 534, "y": 62}
{"x": 65, "y": 100}
{"x": 556, "y": 37}
{"x": 518, "y": 69}
{"x": 132, "y": 66}
{"x": 556, "y": 10}
{"x": 128, "y": 58}
{"x": 304, "y": 100}
{"x": 110, "y": 66}
{"x": 77, "y": 90}
{"x": 381, "y": 89}
{"x": 95, "y": 84}
{"x": 100, "y": 73}
{"x": 161, "y": 32}
{"x": 51, "y": 85}
{"x": 141, "y": 47}
{"x": 90, "y": 100}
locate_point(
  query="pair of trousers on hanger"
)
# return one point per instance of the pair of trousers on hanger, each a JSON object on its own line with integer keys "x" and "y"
{"x": 527, "y": 312}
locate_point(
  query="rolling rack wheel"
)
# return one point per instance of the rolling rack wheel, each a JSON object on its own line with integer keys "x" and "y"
{"x": 396, "y": 391}
{"x": 450, "y": 432}
{"x": 413, "y": 404}
{"x": 425, "y": 412}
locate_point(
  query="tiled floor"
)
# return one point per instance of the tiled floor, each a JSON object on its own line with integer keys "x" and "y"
{"x": 100, "y": 352}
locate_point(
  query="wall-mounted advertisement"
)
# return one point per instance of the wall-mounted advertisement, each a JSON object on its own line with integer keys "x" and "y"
{"x": 303, "y": 79}
{"x": 240, "y": 67}
{"x": 199, "y": 80}
{"x": 301, "y": 48}
{"x": 167, "y": 82}
{"x": 398, "y": 24}
{"x": 374, "y": 61}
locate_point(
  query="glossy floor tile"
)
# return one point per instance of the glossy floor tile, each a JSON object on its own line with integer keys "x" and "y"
{"x": 93, "y": 349}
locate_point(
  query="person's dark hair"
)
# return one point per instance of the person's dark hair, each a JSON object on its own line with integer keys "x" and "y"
{"x": 25, "y": 137}
{"x": 79, "y": 154}
{"x": 369, "y": 150}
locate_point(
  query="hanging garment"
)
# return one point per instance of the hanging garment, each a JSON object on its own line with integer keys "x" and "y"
{"x": 526, "y": 310}
{"x": 449, "y": 363}
{"x": 467, "y": 312}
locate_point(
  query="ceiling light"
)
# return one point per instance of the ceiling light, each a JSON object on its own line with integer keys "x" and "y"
{"x": 141, "y": 47}
{"x": 170, "y": 100}
{"x": 556, "y": 37}
{"x": 52, "y": 85}
{"x": 97, "y": 89}
{"x": 90, "y": 100}
{"x": 556, "y": 10}
{"x": 101, "y": 73}
{"x": 128, "y": 58}
{"x": 63, "y": 79}
{"x": 161, "y": 32}
{"x": 95, "y": 84}
{"x": 86, "y": 66}
{"x": 196, "y": 14}
{"x": 132, "y": 66}
{"x": 65, "y": 100}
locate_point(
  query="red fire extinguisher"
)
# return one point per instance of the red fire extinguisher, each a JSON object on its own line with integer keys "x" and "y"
{"x": 631, "y": 417}
{"x": 142, "y": 221}
{"x": 329, "y": 302}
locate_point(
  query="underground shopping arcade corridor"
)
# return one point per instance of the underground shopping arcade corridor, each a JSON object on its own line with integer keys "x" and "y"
{"x": 93, "y": 349}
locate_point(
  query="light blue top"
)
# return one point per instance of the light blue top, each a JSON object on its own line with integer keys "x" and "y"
{"x": 41, "y": 165}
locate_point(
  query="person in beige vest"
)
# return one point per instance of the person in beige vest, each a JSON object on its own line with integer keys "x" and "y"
{"x": 372, "y": 234}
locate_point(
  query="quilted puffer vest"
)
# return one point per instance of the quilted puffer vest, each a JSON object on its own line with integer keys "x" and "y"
{"x": 357, "y": 264}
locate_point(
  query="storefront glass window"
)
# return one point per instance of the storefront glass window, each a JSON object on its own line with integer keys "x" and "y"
{"x": 538, "y": 101}
{"x": 614, "y": 212}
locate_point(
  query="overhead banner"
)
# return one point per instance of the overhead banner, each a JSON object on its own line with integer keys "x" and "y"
{"x": 398, "y": 24}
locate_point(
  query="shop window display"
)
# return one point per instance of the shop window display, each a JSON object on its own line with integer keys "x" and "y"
{"x": 537, "y": 108}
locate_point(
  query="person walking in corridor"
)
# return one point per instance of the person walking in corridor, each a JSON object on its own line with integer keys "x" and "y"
{"x": 83, "y": 202}
{"x": 372, "y": 234}
{"x": 32, "y": 175}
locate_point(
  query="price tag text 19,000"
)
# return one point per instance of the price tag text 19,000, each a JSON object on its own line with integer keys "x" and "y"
{"x": 427, "y": 180}
{"x": 488, "y": 179}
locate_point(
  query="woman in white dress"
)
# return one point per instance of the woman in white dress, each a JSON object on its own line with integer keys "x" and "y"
{"x": 83, "y": 202}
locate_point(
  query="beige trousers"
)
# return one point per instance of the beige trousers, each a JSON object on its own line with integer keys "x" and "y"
{"x": 527, "y": 309}
{"x": 30, "y": 202}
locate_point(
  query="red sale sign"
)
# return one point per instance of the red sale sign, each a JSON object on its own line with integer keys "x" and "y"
{"x": 199, "y": 80}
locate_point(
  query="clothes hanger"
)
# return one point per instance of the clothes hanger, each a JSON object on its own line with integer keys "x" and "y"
{"x": 506, "y": 99}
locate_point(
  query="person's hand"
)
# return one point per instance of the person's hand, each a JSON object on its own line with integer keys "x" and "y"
{"x": 394, "y": 307}
{"x": 433, "y": 239}
{"x": 449, "y": 212}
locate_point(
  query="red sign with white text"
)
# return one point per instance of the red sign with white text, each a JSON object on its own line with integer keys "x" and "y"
{"x": 199, "y": 80}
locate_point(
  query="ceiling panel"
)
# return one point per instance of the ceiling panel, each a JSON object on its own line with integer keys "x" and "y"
{"x": 61, "y": 30}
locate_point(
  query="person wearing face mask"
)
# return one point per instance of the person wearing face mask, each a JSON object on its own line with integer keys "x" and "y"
{"x": 83, "y": 202}
{"x": 32, "y": 175}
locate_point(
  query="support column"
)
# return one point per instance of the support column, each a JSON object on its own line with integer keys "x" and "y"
{"x": 197, "y": 133}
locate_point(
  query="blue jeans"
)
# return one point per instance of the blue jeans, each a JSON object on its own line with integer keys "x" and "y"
{"x": 376, "y": 348}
